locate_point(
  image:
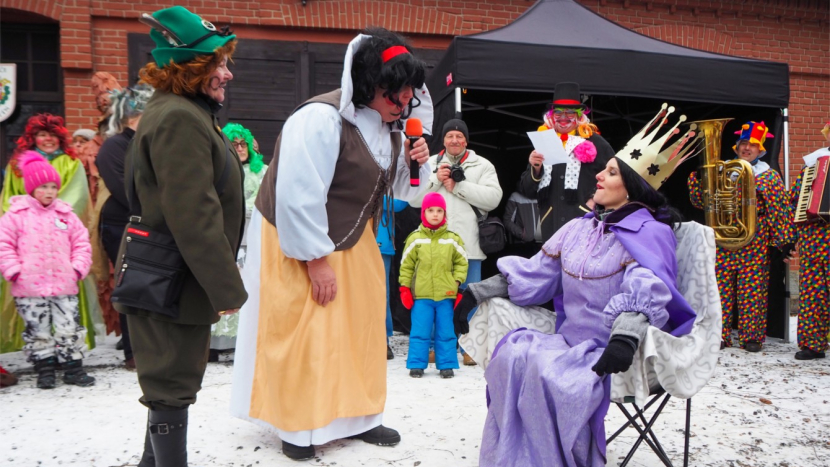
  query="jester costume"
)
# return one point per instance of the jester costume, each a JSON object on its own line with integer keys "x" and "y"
{"x": 814, "y": 273}
{"x": 74, "y": 190}
{"x": 743, "y": 274}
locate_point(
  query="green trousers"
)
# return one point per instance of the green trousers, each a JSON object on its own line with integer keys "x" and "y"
{"x": 170, "y": 360}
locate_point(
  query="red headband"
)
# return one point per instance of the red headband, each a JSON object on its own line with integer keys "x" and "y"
{"x": 393, "y": 52}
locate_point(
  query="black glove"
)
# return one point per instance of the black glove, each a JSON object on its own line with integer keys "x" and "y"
{"x": 459, "y": 319}
{"x": 787, "y": 249}
{"x": 617, "y": 357}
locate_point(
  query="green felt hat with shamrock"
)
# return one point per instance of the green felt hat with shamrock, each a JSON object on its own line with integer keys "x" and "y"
{"x": 181, "y": 36}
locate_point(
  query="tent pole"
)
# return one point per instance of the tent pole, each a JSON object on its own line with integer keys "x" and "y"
{"x": 458, "y": 101}
{"x": 786, "y": 143}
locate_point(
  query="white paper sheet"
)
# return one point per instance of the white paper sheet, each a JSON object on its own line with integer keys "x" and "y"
{"x": 548, "y": 144}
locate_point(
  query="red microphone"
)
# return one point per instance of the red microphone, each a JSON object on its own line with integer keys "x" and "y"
{"x": 414, "y": 131}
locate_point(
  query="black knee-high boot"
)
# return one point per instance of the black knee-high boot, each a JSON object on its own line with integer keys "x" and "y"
{"x": 148, "y": 458}
{"x": 168, "y": 435}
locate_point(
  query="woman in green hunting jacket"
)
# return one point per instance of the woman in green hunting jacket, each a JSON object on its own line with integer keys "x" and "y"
{"x": 187, "y": 180}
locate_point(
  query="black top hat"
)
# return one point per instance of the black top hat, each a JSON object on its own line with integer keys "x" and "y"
{"x": 567, "y": 95}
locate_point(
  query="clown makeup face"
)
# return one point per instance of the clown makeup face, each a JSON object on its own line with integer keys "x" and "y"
{"x": 565, "y": 120}
{"x": 47, "y": 142}
{"x": 611, "y": 192}
{"x": 46, "y": 193}
{"x": 241, "y": 147}
{"x": 434, "y": 215}
{"x": 388, "y": 109}
{"x": 220, "y": 77}
{"x": 748, "y": 151}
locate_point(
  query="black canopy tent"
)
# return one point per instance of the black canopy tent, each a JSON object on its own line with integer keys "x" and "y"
{"x": 502, "y": 80}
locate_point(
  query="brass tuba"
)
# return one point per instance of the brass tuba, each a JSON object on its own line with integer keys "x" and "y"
{"x": 728, "y": 190}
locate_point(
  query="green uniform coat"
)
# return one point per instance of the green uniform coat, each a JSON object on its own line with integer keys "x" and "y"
{"x": 179, "y": 155}
{"x": 437, "y": 260}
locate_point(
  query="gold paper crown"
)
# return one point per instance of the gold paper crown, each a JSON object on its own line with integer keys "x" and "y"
{"x": 645, "y": 154}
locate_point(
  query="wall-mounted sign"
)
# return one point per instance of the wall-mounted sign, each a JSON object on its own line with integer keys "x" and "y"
{"x": 8, "y": 89}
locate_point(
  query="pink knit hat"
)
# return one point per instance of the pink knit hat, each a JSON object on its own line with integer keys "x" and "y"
{"x": 432, "y": 200}
{"x": 37, "y": 171}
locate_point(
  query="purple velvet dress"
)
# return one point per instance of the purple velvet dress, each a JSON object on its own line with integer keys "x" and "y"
{"x": 546, "y": 405}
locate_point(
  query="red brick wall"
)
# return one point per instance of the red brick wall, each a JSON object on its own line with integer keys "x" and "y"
{"x": 94, "y": 35}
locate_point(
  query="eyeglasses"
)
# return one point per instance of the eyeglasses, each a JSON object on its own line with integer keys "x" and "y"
{"x": 239, "y": 144}
{"x": 566, "y": 112}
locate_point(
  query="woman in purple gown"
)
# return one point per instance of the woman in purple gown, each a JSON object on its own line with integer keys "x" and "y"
{"x": 610, "y": 275}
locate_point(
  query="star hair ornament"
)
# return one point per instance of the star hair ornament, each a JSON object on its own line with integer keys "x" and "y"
{"x": 648, "y": 154}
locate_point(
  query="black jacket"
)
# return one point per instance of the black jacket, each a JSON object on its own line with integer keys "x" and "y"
{"x": 558, "y": 205}
{"x": 521, "y": 218}
{"x": 110, "y": 163}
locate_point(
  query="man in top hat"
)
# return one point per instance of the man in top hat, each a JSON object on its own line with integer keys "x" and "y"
{"x": 744, "y": 273}
{"x": 564, "y": 190}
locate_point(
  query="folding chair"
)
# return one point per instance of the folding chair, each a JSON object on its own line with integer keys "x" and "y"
{"x": 664, "y": 366}
{"x": 668, "y": 366}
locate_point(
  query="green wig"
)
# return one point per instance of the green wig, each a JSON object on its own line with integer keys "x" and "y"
{"x": 234, "y": 131}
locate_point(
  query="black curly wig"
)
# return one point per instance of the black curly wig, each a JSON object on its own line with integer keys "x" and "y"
{"x": 640, "y": 191}
{"x": 369, "y": 72}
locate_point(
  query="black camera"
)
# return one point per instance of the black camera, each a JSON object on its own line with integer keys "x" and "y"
{"x": 457, "y": 173}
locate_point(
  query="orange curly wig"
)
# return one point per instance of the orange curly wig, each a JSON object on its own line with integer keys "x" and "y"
{"x": 42, "y": 122}
{"x": 188, "y": 78}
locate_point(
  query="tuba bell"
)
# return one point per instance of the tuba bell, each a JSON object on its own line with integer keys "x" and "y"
{"x": 728, "y": 190}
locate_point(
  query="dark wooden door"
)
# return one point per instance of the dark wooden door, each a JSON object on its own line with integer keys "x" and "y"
{"x": 271, "y": 78}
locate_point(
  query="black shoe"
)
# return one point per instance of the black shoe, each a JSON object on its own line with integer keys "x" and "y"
{"x": 73, "y": 373}
{"x": 416, "y": 373}
{"x": 752, "y": 346}
{"x": 148, "y": 458}
{"x": 45, "y": 369}
{"x": 808, "y": 354}
{"x": 448, "y": 373}
{"x": 297, "y": 453}
{"x": 380, "y": 435}
{"x": 168, "y": 436}
{"x": 389, "y": 354}
{"x": 213, "y": 356}
{"x": 120, "y": 344}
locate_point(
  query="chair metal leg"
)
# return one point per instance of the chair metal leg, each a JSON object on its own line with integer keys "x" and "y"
{"x": 641, "y": 415}
{"x": 644, "y": 434}
{"x": 622, "y": 428}
{"x": 688, "y": 432}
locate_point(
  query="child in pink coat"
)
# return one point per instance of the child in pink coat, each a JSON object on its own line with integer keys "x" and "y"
{"x": 44, "y": 252}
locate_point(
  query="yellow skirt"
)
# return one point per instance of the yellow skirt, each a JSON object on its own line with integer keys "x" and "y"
{"x": 316, "y": 364}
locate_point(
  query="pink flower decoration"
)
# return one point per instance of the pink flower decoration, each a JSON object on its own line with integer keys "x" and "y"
{"x": 586, "y": 152}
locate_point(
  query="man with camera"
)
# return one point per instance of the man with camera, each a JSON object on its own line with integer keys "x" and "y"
{"x": 468, "y": 182}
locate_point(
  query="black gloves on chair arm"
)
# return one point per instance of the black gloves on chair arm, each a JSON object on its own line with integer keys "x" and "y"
{"x": 495, "y": 286}
{"x": 618, "y": 356}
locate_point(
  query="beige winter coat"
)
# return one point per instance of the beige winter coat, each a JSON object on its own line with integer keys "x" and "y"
{"x": 481, "y": 189}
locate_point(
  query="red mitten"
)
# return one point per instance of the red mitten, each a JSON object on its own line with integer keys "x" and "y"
{"x": 406, "y": 297}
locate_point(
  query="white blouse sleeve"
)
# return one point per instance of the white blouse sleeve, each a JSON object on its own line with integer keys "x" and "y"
{"x": 309, "y": 151}
{"x": 403, "y": 190}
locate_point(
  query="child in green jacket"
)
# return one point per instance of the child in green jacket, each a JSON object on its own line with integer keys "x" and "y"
{"x": 436, "y": 259}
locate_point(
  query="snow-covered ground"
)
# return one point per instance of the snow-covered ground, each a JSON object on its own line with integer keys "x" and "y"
{"x": 759, "y": 410}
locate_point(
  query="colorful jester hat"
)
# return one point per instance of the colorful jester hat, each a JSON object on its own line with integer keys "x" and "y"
{"x": 754, "y": 133}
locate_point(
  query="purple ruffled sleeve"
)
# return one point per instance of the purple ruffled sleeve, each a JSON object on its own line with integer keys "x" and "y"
{"x": 536, "y": 280}
{"x": 641, "y": 292}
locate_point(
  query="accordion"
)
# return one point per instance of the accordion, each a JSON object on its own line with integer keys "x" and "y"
{"x": 814, "y": 197}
